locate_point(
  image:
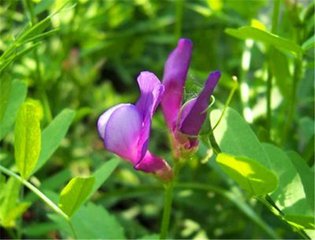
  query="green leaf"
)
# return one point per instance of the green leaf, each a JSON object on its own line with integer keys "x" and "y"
{"x": 35, "y": 30}
{"x": 6, "y": 62}
{"x": 301, "y": 221}
{"x": 290, "y": 197}
{"x": 10, "y": 207}
{"x": 53, "y": 134}
{"x": 280, "y": 68}
{"x": 268, "y": 38}
{"x": 253, "y": 177}
{"x": 5, "y": 89}
{"x": 307, "y": 176}
{"x": 75, "y": 193}
{"x": 103, "y": 173}
{"x": 17, "y": 97}
{"x": 27, "y": 138}
{"x": 86, "y": 220}
{"x": 309, "y": 43}
{"x": 235, "y": 137}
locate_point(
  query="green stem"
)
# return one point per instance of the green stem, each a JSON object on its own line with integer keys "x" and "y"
{"x": 179, "y": 5}
{"x": 168, "y": 199}
{"x": 42, "y": 196}
{"x": 275, "y": 16}
{"x": 41, "y": 89}
{"x": 292, "y": 105}
{"x": 268, "y": 104}
{"x": 274, "y": 27}
{"x": 31, "y": 187}
{"x": 228, "y": 101}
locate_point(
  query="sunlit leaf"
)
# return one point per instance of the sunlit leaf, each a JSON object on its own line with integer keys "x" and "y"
{"x": 253, "y": 177}
{"x": 27, "y": 138}
{"x": 290, "y": 197}
{"x": 307, "y": 176}
{"x": 235, "y": 137}
{"x": 10, "y": 207}
{"x": 75, "y": 193}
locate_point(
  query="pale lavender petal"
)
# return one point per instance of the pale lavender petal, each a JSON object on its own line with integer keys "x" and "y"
{"x": 122, "y": 132}
{"x": 103, "y": 119}
{"x": 175, "y": 72}
{"x": 192, "y": 122}
{"x": 151, "y": 92}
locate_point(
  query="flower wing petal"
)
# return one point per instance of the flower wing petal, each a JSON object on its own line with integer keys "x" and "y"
{"x": 175, "y": 72}
{"x": 151, "y": 92}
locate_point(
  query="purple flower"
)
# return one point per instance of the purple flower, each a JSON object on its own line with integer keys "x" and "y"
{"x": 184, "y": 121}
{"x": 125, "y": 128}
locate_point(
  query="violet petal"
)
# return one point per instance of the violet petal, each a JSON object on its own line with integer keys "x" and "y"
{"x": 192, "y": 122}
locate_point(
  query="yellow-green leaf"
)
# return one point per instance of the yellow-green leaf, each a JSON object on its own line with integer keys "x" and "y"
{"x": 249, "y": 174}
{"x": 75, "y": 193}
{"x": 27, "y": 137}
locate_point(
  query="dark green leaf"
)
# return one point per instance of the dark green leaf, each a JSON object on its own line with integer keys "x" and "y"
{"x": 92, "y": 222}
{"x": 53, "y": 134}
{"x": 103, "y": 173}
{"x": 17, "y": 96}
{"x": 5, "y": 89}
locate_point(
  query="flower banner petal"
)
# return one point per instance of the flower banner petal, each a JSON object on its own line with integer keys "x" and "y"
{"x": 175, "y": 72}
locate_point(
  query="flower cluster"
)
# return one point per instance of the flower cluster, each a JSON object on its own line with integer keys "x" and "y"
{"x": 125, "y": 128}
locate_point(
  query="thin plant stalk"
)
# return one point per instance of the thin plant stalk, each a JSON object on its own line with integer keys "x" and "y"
{"x": 274, "y": 27}
{"x": 41, "y": 195}
{"x": 168, "y": 199}
{"x": 41, "y": 89}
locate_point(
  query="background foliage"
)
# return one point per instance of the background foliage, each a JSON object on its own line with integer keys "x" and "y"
{"x": 78, "y": 58}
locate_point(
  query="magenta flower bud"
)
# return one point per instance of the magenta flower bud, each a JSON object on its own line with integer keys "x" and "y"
{"x": 125, "y": 128}
{"x": 184, "y": 121}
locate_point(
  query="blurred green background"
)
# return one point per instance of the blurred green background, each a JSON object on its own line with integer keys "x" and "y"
{"x": 91, "y": 63}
